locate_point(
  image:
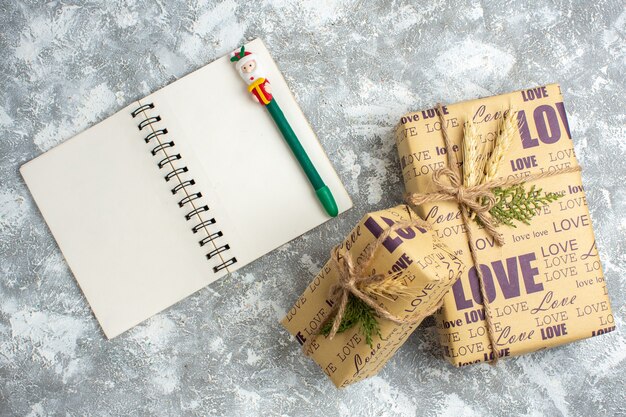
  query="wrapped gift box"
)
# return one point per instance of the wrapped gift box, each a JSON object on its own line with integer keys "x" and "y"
{"x": 418, "y": 259}
{"x": 545, "y": 284}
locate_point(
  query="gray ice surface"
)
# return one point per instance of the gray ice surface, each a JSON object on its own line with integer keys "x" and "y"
{"x": 355, "y": 67}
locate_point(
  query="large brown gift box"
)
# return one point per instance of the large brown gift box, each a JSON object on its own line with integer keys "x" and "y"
{"x": 421, "y": 261}
{"x": 545, "y": 285}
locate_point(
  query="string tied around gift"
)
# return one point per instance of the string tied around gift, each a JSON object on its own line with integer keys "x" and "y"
{"x": 477, "y": 199}
{"x": 353, "y": 277}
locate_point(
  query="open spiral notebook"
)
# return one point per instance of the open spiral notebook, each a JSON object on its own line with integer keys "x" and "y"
{"x": 177, "y": 190}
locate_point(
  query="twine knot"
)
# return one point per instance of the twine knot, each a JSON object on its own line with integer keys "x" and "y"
{"x": 477, "y": 199}
{"x": 354, "y": 278}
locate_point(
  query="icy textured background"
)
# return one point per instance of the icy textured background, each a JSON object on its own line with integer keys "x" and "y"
{"x": 355, "y": 67}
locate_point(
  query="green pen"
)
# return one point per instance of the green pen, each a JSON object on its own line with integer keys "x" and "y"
{"x": 250, "y": 70}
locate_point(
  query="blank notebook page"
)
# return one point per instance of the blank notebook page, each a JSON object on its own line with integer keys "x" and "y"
{"x": 119, "y": 230}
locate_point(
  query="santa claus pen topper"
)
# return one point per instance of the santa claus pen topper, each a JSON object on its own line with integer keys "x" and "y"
{"x": 251, "y": 70}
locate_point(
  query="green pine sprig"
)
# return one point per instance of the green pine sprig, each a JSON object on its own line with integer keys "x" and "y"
{"x": 515, "y": 203}
{"x": 357, "y": 312}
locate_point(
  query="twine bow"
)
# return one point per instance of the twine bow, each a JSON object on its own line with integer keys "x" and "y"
{"x": 478, "y": 198}
{"x": 353, "y": 277}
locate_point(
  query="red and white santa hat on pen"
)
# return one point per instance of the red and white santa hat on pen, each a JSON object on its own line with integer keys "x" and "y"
{"x": 241, "y": 60}
{"x": 242, "y": 57}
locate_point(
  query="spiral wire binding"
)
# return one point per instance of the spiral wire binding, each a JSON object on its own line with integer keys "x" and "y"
{"x": 154, "y": 134}
{"x": 162, "y": 147}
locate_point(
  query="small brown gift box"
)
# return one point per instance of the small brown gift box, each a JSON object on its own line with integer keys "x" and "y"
{"x": 545, "y": 284}
{"x": 419, "y": 260}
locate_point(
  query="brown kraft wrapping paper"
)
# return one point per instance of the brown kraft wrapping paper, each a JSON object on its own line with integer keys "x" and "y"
{"x": 545, "y": 284}
{"x": 426, "y": 264}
